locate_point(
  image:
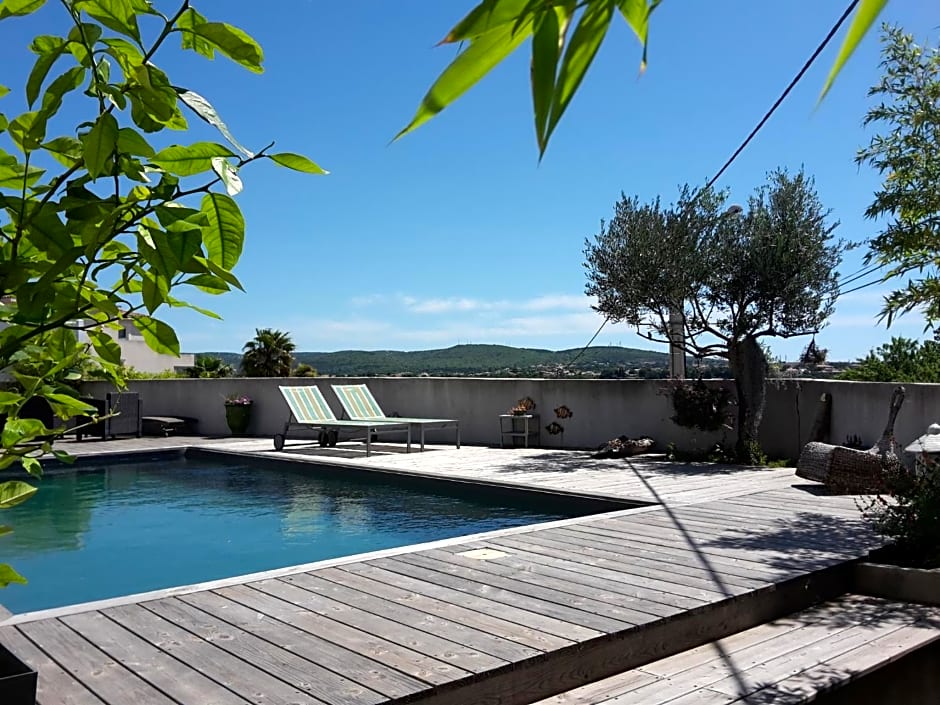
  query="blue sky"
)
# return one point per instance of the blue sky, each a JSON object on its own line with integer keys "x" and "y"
{"x": 456, "y": 233}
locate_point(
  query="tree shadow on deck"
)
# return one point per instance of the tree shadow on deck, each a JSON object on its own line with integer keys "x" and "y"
{"x": 566, "y": 461}
{"x": 804, "y": 542}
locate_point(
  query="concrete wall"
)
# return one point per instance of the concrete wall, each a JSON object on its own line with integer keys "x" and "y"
{"x": 603, "y": 409}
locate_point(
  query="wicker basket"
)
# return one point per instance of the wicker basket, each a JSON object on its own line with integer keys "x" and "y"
{"x": 853, "y": 471}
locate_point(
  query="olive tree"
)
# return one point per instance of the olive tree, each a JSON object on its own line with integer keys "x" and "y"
{"x": 733, "y": 275}
{"x": 906, "y": 150}
{"x": 97, "y": 223}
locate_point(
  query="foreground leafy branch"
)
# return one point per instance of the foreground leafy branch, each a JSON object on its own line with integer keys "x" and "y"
{"x": 98, "y": 225}
{"x": 565, "y": 36}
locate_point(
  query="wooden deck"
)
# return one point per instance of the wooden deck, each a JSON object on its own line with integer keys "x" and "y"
{"x": 504, "y": 618}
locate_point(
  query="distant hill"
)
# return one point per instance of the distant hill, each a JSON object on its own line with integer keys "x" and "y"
{"x": 489, "y": 360}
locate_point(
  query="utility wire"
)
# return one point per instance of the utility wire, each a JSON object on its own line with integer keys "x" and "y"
{"x": 786, "y": 92}
{"x": 796, "y": 79}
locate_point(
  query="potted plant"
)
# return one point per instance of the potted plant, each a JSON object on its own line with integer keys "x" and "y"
{"x": 909, "y": 567}
{"x": 238, "y": 413}
{"x": 522, "y": 407}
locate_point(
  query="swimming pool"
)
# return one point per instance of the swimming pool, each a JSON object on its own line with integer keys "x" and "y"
{"x": 106, "y": 530}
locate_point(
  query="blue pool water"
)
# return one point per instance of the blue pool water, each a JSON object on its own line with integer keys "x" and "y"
{"x": 130, "y": 527}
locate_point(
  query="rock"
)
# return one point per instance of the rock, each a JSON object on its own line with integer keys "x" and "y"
{"x": 623, "y": 447}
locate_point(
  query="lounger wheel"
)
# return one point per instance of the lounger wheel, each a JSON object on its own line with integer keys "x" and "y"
{"x": 332, "y": 437}
{"x": 323, "y": 438}
{"x": 279, "y": 441}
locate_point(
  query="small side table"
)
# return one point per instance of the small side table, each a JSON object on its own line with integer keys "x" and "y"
{"x": 524, "y": 426}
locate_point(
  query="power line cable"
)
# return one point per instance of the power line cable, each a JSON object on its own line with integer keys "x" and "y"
{"x": 786, "y": 91}
{"x": 796, "y": 79}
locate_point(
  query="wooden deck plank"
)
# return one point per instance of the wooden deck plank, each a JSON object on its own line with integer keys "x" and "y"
{"x": 596, "y": 615}
{"x": 436, "y": 627}
{"x": 101, "y": 674}
{"x": 56, "y": 686}
{"x": 526, "y": 618}
{"x": 697, "y": 577}
{"x": 369, "y": 579}
{"x": 175, "y": 678}
{"x": 682, "y": 560}
{"x": 394, "y": 655}
{"x": 865, "y": 658}
{"x": 320, "y": 682}
{"x": 371, "y": 673}
{"x": 568, "y": 623}
{"x": 670, "y": 592}
{"x": 472, "y": 637}
{"x": 582, "y": 582}
{"x": 232, "y": 672}
{"x": 743, "y": 554}
{"x": 466, "y": 659}
{"x": 764, "y": 633}
{"x": 571, "y": 589}
{"x": 849, "y": 652}
{"x": 753, "y": 664}
{"x": 711, "y": 527}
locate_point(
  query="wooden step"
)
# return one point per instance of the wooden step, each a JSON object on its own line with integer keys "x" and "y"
{"x": 788, "y": 660}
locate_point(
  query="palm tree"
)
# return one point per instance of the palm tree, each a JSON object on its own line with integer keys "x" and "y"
{"x": 268, "y": 354}
{"x": 208, "y": 366}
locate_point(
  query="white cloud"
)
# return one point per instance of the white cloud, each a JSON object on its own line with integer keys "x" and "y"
{"x": 466, "y": 304}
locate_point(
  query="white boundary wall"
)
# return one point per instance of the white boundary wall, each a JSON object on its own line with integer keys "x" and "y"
{"x": 603, "y": 409}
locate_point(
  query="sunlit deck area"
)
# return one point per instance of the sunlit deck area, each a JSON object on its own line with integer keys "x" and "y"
{"x": 509, "y": 617}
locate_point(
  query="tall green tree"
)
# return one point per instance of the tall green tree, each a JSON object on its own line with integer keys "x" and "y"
{"x": 269, "y": 354}
{"x": 566, "y": 35}
{"x": 901, "y": 360}
{"x": 735, "y": 275}
{"x": 96, "y": 223}
{"x": 906, "y": 151}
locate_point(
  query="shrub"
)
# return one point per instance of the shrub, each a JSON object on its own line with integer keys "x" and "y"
{"x": 699, "y": 406}
{"x": 910, "y": 514}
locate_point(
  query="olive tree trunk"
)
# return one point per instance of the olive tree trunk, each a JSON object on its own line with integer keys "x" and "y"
{"x": 749, "y": 366}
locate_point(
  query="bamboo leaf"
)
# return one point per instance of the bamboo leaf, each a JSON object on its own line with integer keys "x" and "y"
{"x": 158, "y": 335}
{"x": 297, "y": 162}
{"x": 637, "y": 15}
{"x": 190, "y": 40}
{"x": 13, "y": 492}
{"x": 49, "y": 48}
{"x": 204, "y": 109}
{"x": 28, "y": 131}
{"x": 484, "y": 53}
{"x": 68, "y": 81}
{"x": 118, "y": 15}
{"x": 228, "y": 174}
{"x": 233, "y": 42}
{"x": 7, "y": 574}
{"x": 189, "y": 160}
{"x": 106, "y": 347}
{"x": 129, "y": 141}
{"x": 19, "y": 8}
{"x": 580, "y": 52}
{"x": 225, "y": 235}
{"x": 865, "y": 15}
{"x": 99, "y": 143}
{"x": 545, "y": 52}
{"x": 487, "y": 16}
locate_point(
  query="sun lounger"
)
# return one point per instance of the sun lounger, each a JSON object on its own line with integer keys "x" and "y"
{"x": 360, "y": 405}
{"x": 308, "y": 409}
